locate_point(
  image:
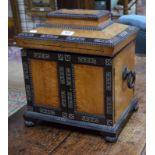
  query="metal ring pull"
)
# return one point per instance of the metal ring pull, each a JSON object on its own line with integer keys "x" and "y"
{"x": 131, "y": 79}
{"x": 125, "y": 73}
{"x": 130, "y": 76}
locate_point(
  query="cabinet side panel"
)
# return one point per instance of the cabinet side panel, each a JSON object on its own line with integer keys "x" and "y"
{"x": 89, "y": 89}
{"x": 45, "y": 83}
{"x": 122, "y": 94}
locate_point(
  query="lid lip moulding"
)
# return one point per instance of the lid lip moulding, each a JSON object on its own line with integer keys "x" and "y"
{"x": 60, "y": 13}
{"x": 101, "y": 27}
{"x": 82, "y": 40}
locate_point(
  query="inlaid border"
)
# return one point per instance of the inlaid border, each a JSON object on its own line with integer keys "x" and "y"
{"x": 28, "y": 54}
{"x": 81, "y": 40}
{"x": 104, "y": 62}
{"x": 108, "y": 93}
{"x": 101, "y": 27}
{"x": 59, "y": 13}
{"x": 27, "y": 77}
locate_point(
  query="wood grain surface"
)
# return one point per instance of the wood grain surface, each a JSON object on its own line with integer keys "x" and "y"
{"x": 89, "y": 89}
{"x": 77, "y": 21}
{"x": 122, "y": 94}
{"x": 65, "y": 47}
{"x": 80, "y": 11}
{"x": 47, "y": 139}
{"x": 107, "y": 33}
{"x": 45, "y": 83}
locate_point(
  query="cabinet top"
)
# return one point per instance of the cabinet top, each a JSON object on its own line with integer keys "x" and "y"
{"x": 79, "y": 17}
{"x": 107, "y": 41}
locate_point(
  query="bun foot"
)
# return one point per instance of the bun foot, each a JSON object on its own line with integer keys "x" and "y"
{"x": 29, "y": 124}
{"x": 135, "y": 109}
{"x": 111, "y": 139}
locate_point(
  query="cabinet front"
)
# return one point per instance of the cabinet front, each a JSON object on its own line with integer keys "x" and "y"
{"x": 77, "y": 87}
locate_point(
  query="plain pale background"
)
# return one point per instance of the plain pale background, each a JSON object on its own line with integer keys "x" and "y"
{"x": 150, "y": 93}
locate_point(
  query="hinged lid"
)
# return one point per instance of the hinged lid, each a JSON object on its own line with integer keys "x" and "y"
{"x": 106, "y": 42}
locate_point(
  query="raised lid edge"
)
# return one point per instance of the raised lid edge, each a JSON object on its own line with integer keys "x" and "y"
{"x": 58, "y": 13}
{"x": 101, "y": 27}
{"x": 82, "y": 40}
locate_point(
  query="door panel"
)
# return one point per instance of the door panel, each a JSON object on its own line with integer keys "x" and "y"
{"x": 45, "y": 83}
{"x": 89, "y": 89}
{"x": 88, "y": 101}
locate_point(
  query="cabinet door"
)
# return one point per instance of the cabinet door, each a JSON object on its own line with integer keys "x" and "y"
{"x": 89, "y": 89}
{"x": 46, "y": 82}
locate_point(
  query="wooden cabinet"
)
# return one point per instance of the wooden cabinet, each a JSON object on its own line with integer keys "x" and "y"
{"x": 80, "y": 76}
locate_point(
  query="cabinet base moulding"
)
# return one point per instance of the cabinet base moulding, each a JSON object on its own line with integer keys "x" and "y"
{"x": 109, "y": 133}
